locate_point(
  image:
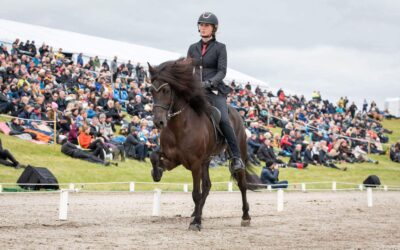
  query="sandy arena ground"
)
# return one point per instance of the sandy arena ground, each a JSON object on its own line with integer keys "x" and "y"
{"x": 323, "y": 220}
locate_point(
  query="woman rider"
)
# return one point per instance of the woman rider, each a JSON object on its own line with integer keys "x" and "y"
{"x": 210, "y": 59}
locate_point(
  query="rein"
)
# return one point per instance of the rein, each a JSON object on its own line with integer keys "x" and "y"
{"x": 171, "y": 105}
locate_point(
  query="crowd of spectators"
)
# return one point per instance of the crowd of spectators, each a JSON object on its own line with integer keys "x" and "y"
{"x": 85, "y": 97}
{"x": 89, "y": 100}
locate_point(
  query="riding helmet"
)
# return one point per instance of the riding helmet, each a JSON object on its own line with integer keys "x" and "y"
{"x": 208, "y": 17}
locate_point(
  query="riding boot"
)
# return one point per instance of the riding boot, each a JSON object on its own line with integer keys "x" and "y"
{"x": 236, "y": 162}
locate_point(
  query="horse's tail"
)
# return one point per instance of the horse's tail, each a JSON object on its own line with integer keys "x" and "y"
{"x": 252, "y": 180}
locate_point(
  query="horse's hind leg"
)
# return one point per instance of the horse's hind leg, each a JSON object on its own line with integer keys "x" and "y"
{"x": 243, "y": 189}
{"x": 195, "y": 225}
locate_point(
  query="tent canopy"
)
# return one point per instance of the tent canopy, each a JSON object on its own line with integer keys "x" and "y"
{"x": 102, "y": 47}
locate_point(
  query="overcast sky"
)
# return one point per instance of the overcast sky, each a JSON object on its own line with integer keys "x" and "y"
{"x": 342, "y": 48}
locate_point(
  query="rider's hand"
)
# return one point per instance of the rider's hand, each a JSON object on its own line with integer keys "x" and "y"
{"x": 206, "y": 84}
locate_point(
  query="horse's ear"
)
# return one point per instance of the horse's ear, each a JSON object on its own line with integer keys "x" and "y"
{"x": 151, "y": 69}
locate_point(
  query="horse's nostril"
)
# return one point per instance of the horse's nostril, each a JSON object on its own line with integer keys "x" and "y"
{"x": 161, "y": 123}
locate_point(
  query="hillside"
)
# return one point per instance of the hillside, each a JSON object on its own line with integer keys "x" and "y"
{"x": 69, "y": 170}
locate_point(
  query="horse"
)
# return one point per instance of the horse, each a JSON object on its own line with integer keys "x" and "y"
{"x": 188, "y": 138}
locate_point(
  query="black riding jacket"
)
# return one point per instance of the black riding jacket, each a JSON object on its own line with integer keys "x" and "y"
{"x": 214, "y": 63}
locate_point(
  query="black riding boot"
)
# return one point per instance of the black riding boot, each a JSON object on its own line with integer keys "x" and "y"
{"x": 236, "y": 162}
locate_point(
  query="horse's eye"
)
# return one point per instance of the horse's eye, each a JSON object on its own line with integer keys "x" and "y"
{"x": 165, "y": 91}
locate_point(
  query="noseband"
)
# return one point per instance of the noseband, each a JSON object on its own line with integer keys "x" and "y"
{"x": 169, "y": 106}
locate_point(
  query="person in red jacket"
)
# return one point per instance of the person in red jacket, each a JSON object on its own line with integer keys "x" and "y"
{"x": 87, "y": 141}
{"x": 286, "y": 143}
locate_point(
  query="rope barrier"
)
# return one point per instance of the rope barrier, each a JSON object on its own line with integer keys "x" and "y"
{"x": 25, "y": 119}
{"x": 296, "y": 186}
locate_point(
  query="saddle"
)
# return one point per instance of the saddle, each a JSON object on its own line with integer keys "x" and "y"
{"x": 215, "y": 117}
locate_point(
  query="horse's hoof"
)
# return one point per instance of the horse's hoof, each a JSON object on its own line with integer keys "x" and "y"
{"x": 245, "y": 223}
{"x": 195, "y": 227}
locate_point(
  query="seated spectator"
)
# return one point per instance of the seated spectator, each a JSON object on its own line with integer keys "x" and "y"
{"x": 7, "y": 159}
{"x": 134, "y": 148}
{"x": 266, "y": 153}
{"x": 395, "y": 152}
{"x": 361, "y": 155}
{"x": 296, "y": 160}
{"x": 270, "y": 176}
{"x": 252, "y": 147}
{"x": 287, "y": 142}
{"x": 5, "y": 105}
{"x": 87, "y": 141}
{"x": 72, "y": 150}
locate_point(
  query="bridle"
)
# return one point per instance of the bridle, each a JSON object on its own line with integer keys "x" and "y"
{"x": 170, "y": 106}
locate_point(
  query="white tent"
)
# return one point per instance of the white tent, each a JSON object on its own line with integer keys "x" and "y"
{"x": 393, "y": 106}
{"x": 104, "y": 48}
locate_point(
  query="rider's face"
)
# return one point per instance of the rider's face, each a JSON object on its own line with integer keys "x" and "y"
{"x": 205, "y": 29}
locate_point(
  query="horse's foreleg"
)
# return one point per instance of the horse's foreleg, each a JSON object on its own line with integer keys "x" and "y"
{"x": 195, "y": 225}
{"x": 160, "y": 163}
{"x": 243, "y": 189}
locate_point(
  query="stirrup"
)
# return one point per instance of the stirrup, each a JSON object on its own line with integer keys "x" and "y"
{"x": 238, "y": 168}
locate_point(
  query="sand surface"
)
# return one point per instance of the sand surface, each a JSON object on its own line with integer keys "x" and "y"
{"x": 314, "y": 220}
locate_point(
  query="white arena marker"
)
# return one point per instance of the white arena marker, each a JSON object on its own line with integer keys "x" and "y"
{"x": 156, "y": 202}
{"x": 185, "y": 188}
{"x": 361, "y": 187}
{"x": 71, "y": 186}
{"x": 230, "y": 186}
{"x": 269, "y": 188}
{"x": 385, "y": 188}
{"x": 334, "y": 186}
{"x": 63, "y": 208}
{"x": 303, "y": 187}
{"x": 280, "y": 200}
{"x": 369, "y": 196}
{"x": 131, "y": 187}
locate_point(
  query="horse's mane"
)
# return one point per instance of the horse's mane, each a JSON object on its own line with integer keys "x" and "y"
{"x": 179, "y": 75}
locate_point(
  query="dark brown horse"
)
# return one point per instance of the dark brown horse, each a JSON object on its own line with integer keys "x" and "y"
{"x": 187, "y": 136}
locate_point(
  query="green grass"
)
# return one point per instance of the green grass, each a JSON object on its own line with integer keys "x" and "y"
{"x": 68, "y": 170}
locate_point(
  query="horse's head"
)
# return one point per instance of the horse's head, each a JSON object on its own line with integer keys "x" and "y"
{"x": 173, "y": 87}
{"x": 163, "y": 100}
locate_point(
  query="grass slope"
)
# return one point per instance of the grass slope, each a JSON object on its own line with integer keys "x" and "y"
{"x": 71, "y": 170}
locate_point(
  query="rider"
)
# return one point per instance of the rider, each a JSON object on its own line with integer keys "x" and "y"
{"x": 210, "y": 59}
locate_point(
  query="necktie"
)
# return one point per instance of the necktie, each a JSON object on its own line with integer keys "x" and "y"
{"x": 203, "y": 49}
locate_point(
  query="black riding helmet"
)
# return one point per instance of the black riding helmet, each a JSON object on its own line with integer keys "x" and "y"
{"x": 208, "y": 17}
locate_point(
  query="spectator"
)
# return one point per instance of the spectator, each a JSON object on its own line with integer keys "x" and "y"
{"x": 266, "y": 154}
{"x": 72, "y": 150}
{"x": 296, "y": 160}
{"x": 134, "y": 148}
{"x": 270, "y": 176}
{"x": 7, "y": 159}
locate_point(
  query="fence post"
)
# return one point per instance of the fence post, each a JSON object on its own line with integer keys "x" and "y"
{"x": 185, "y": 188}
{"x": 361, "y": 187}
{"x": 230, "y": 186}
{"x": 1, "y": 188}
{"x": 369, "y": 197}
{"x": 71, "y": 186}
{"x": 156, "y": 202}
{"x": 369, "y": 147}
{"x": 280, "y": 200}
{"x": 131, "y": 187}
{"x": 55, "y": 130}
{"x": 269, "y": 188}
{"x": 334, "y": 186}
{"x": 303, "y": 187}
{"x": 63, "y": 207}
{"x": 385, "y": 188}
